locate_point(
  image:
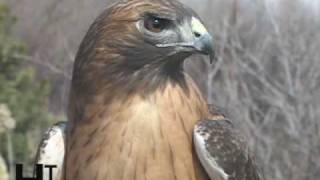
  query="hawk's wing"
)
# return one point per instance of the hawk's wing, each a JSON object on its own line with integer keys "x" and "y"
{"x": 221, "y": 148}
{"x": 223, "y": 151}
{"x": 52, "y": 149}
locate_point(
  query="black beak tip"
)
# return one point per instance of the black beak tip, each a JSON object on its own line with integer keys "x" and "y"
{"x": 209, "y": 51}
{"x": 212, "y": 56}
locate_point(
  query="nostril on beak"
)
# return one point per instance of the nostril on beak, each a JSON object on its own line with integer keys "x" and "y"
{"x": 196, "y": 34}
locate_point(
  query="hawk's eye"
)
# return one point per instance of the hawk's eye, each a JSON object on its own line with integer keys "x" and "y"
{"x": 155, "y": 24}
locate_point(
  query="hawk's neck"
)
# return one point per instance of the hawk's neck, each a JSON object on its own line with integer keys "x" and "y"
{"x": 143, "y": 137}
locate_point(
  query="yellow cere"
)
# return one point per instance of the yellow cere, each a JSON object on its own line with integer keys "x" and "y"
{"x": 197, "y": 26}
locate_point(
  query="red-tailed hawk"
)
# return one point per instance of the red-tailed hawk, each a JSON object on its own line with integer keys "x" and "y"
{"x": 133, "y": 112}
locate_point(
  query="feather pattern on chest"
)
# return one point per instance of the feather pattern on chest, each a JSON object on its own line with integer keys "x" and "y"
{"x": 143, "y": 138}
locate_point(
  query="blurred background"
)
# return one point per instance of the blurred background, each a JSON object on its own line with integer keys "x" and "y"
{"x": 267, "y": 75}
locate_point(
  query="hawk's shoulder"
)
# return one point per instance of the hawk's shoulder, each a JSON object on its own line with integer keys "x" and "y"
{"x": 223, "y": 150}
{"x": 51, "y": 150}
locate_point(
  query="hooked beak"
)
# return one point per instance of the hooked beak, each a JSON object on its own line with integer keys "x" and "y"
{"x": 195, "y": 38}
{"x": 203, "y": 42}
{"x": 204, "y": 45}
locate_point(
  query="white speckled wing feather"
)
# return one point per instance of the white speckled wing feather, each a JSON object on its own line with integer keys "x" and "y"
{"x": 52, "y": 149}
{"x": 223, "y": 151}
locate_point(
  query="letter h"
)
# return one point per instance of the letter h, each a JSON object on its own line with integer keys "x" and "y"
{"x": 38, "y": 172}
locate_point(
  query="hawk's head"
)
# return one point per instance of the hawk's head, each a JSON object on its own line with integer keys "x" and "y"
{"x": 139, "y": 44}
{"x": 155, "y": 31}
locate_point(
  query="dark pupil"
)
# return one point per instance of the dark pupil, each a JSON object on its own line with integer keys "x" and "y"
{"x": 157, "y": 24}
